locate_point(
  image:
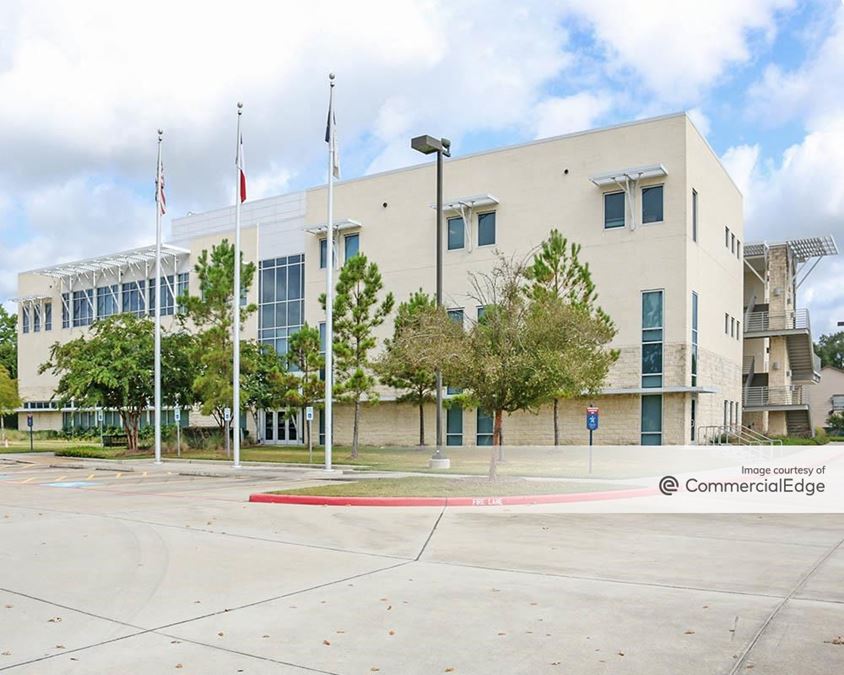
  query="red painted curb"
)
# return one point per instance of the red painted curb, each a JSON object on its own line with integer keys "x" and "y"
{"x": 514, "y": 500}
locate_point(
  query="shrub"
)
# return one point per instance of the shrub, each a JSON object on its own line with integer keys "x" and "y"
{"x": 88, "y": 451}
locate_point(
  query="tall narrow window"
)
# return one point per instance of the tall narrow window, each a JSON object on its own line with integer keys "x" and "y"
{"x": 733, "y": 242}
{"x": 727, "y": 236}
{"x": 652, "y": 204}
{"x": 107, "y": 301}
{"x": 486, "y": 229}
{"x": 65, "y": 310}
{"x": 36, "y": 318}
{"x": 694, "y": 418}
{"x": 83, "y": 307}
{"x": 651, "y": 420}
{"x": 48, "y": 316}
{"x": 613, "y": 210}
{"x": 454, "y": 425}
{"x": 134, "y": 298}
{"x": 352, "y": 242}
{"x": 323, "y": 253}
{"x": 182, "y": 289}
{"x": 726, "y": 324}
{"x": 694, "y": 215}
{"x": 455, "y": 315}
{"x": 456, "y": 233}
{"x": 726, "y": 414}
{"x": 652, "y": 337}
{"x": 483, "y": 434}
{"x": 694, "y": 338}
{"x": 738, "y": 249}
{"x": 25, "y": 319}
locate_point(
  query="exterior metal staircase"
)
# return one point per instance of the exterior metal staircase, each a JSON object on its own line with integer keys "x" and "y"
{"x": 732, "y": 434}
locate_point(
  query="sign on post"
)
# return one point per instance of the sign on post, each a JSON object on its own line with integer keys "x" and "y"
{"x": 100, "y": 416}
{"x": 309, "y": 413}
{"x": 227, "y": 414}
{"x": 591, "y": 419}
{"x": 177, "y": 414}
{"x": 29, "y": 421}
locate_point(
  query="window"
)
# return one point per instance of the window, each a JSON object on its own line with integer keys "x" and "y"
{"x": 694, "y": 418}
{"x": 83, "y": 307}
{"x": 651, "y": 420}
{"x": 281, "y": 284}
{"x": 727, "y": 237}
{"x": 456, "y": 315}
{"x": 456, "y": 233}
{"x": 65, "y": 310}
{"x": 738, "y": 249}
{"x": 652, "y": 326}
{"x": 694, "y": 215}
{"x": 732, "y": 327}
{"x": 726, "y": 411}
{"x": 182, "y": 289}
{"x": 694, "y": 338}
{"x": 36, "y": 318}
{"x": 352, "y": 242}
{"x": 165, "y": 285}
{"x": 652, "y": 204}
{"x": 732, "y": 242}
{"x": 454, "y": 425}
{"x": 837, "y": 402}
{"x": 726, "y": 324}
{"x": 738, "y": 330}
{"x": 613, "y": 210}
{"x": 25, "y": 319}
{"x": 48, "y": 316}
{"x": 107, "y": 301}
{"x": 486, "y": 229}
{"x": 481, "y": 312}
{"x": 483, "y": 435}
{"x": 134, "y": 301}
{"x": 323, "y": 253}
{"x": 322, "y": 348}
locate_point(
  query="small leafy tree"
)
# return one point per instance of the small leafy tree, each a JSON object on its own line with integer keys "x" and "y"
{"x": 211, "y": 314}
{"x": 9, "y": 399}
{"x": 558, "y": 278}
{"x": 402, "y": 366}
{"x": 830, "y": 349}
{"x": 305, "y": 358}
{"x": 265, "y": 380}
{"x": 835, "y": 422}
{"x": 112, "y": 367}
{"x": 357, "y": 312}
{"x": 9, "y": 342}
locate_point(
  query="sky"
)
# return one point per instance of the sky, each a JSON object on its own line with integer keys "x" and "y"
{"x": 85, "y": 85}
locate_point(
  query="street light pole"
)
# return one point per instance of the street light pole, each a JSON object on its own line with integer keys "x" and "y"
{"x": 427, "y": 145}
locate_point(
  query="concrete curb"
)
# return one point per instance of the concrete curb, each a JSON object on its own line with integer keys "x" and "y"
{"x": 512, "y": 500}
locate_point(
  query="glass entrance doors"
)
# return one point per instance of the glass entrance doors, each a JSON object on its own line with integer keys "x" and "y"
{"x": 280, "y": 428}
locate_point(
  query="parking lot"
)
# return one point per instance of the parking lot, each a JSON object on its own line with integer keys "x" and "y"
{"x": 142, "y": 569}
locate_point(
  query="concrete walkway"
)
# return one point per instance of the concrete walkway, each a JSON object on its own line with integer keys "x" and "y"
{"x": 152, "y": 571}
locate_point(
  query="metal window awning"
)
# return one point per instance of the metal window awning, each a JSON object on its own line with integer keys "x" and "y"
{"x": 680, "y": 389}
{"x": 30, "y": 299}
{"x": 628, "y": 180}
{"x": 473, "y": 202}
{"x": 635, "y": 173}
{"x": 110, "y": 263}
{"x": 339, "y": 226}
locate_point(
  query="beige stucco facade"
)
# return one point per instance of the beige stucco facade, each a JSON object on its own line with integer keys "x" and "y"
{"x": 827, "y": 396}
{"x": 531, "y": 189}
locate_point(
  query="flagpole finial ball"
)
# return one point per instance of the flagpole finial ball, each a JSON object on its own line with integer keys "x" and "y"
{"x": 331, "y": 76}
{"x": 160, "y": 132}
{"x": 239, "y": 105}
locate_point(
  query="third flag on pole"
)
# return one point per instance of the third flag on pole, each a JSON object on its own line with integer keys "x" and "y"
{"x": 241, "y": 165}
{"x": 331, "y": 135}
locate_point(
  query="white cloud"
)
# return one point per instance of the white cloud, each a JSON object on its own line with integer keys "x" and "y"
{"x": 562, "y": 115}
{"x": 740, "y": 162}
{"x": 679, "y": 48}
{"x": 700, "y": 120}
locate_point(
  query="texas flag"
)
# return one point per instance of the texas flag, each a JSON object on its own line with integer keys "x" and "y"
{"x": 242, "y": 168}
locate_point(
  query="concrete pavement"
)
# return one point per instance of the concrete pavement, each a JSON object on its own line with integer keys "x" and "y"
{"x": 149, "y": 571}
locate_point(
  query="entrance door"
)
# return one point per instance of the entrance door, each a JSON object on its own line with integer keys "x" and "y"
{"x": 280, "y": 429}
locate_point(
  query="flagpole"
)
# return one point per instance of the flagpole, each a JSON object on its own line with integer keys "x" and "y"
{"x": 329, "y": 285}
{"x": 157, "y": 291}
{"x": 236, "y": 301}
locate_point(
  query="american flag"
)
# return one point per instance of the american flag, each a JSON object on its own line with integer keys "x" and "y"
{"x": 160, "y": 199}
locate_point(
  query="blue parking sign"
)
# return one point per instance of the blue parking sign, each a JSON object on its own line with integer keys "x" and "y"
{"x": 591, "y": 419}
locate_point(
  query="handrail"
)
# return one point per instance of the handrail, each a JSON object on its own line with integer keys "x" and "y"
{"x": 766, "y": 395}
{"x": 764, "y": 320}
{"x": 732, "y": 434}
{"x": 750, "y": 306}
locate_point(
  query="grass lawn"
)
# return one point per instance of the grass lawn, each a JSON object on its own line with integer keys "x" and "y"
{"x": 425, "y": 486}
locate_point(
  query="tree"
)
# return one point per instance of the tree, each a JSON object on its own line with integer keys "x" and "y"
{"x": 402, "y": 366}
{"x": 211, "y": 314}
{"x": 835, "y": 422}
{"x": 305, "y": 358}
{"x": 9, "y": 399}
{"x": 9, "y": 342}
{"x": 113, "y": 368}
{"x": 831, "y": 349}
{"x": 557, "y": 274}
{"x": 357, "y": 312}
{"x": 265, "y": 380}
